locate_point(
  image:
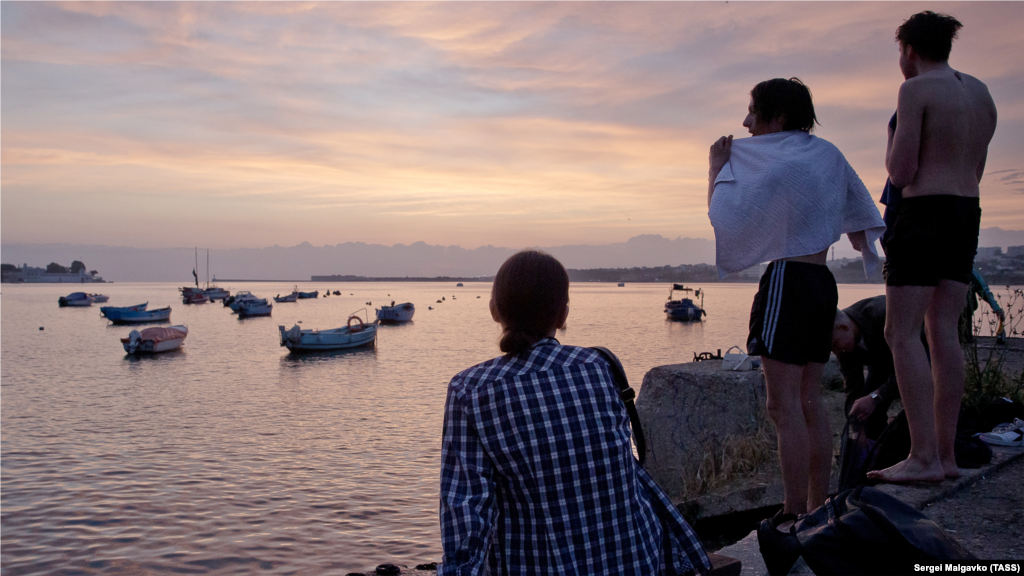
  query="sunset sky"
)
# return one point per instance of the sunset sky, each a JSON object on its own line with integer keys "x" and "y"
{"x": 232, "y": 125}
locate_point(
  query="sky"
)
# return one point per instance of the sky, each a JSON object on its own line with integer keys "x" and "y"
{"x": 244, "y": 125}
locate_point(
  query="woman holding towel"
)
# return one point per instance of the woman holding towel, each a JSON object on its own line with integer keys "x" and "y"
{"x": 784, "y": 197}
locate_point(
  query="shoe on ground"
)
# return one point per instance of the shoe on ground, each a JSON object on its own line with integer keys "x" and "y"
{"x": 1013, "y": 438}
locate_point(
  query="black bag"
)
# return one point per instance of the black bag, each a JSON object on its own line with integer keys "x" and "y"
{"x": 627, "y": 394}
{"x": 860, "y": 531}
{"x": 854, "y": 450}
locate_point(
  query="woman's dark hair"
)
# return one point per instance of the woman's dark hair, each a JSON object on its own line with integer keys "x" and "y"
{"x": 789, "y": 100}
{"x": 531, "y": 290}
{"x": 930, "y": 34}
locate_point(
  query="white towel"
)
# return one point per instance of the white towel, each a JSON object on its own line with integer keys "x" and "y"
{"x": 788, "y": 194}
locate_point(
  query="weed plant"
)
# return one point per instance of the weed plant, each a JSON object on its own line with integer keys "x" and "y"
{"x": 994, "y": 368}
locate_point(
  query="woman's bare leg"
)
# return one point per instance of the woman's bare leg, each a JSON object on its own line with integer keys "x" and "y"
{"x": 819, "y": 435}
{"x": 783, "y": 383}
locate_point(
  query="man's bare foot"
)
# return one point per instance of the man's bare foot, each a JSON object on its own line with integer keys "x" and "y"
{"x": 951, "y": 470}
{"x": 909, "y": 471}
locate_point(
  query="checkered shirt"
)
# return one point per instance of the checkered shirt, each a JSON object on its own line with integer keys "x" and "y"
{"x": 538, "y": 475}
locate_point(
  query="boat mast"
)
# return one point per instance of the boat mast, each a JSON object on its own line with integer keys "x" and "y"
{"x": 197, "y": 266}
{"x": 207, "y": 268}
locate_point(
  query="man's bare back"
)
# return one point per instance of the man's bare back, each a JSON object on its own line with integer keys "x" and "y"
{"x": 946, "y": 120}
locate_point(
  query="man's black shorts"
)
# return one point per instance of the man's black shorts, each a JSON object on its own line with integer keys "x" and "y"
{"x": 793, "y": 313}
{"x": 933, "y": 238}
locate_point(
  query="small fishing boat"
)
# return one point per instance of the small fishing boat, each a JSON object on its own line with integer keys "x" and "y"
{"x": 357, "y": 333}
{"x": 337, "y": 293}
{"x": 75, "y": 299}
{"x": 113, "y": 312}
{"x": 684, "y": 309}
{"x": 250, "y": 308}
{"x": 214, "y": 293}
{"x": 142, "y": 316}
{"x": 237, "y": 300}
{"x": 289, "y": 298}
{"x": 313, "y": 294}
{"x": 153, "y": 340}
{"x": 459, "y": 285}
{"x": 99, "y": 297}
{"x": 396, "y": 313}
{"x": 194, "y": 297}
{"x": 621, "y": 284}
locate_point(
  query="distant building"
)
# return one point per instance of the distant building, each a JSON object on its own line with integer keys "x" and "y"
{"x": 1015, "y": 251}
{"x": 30, "y": 274}
{"x": 989, "y": 253}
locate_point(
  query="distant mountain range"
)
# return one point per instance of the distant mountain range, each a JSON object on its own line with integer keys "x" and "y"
{"x": 125, "y": 264}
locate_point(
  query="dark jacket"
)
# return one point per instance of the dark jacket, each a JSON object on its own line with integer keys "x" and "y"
{"x": 875, "y": 355}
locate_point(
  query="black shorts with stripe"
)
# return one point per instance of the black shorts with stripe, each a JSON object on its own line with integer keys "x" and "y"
{"x": 793, "y": 313}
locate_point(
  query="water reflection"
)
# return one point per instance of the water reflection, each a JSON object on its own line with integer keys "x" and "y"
{"x": 293, "y": 358}
{"x": 231, "y": 451}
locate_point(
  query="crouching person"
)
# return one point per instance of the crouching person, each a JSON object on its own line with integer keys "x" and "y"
{"x": 538, "y": 475}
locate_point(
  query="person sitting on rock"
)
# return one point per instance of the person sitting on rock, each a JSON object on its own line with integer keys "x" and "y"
{"x": 537, "y": 470}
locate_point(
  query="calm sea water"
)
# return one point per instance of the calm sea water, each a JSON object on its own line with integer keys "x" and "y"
{"x": 232, "y": 455}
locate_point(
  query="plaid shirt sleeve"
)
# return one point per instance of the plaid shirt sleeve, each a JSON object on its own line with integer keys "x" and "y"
{"x": 468, "y": 510}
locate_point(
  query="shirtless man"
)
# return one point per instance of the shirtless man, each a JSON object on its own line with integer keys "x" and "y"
{"x": 937, "y": 154}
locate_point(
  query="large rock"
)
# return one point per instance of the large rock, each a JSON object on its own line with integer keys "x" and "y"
{"x": 690, "y": 412}
{"x": 710, "y": 443}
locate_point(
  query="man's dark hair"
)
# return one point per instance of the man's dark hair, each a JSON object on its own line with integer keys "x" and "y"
{"x": 930, "y": 34}
{"x": 788, "y": 100}
{"x": 531, "y": 290}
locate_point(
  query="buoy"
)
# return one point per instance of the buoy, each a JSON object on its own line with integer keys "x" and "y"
{"x": 40, "y": 327}
{"x": 428, "y": 308}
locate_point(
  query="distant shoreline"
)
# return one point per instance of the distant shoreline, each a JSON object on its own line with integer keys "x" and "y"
{"x": 365, "y": 279}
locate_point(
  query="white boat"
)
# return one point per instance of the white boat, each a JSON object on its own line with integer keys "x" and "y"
{"x": 293, "y": 297}
{"x": 114, "y": 312}
{"x": 153, "y": 340}
{"x": 215, "y": 293}
{"x": 142, "y": 316}
{"x": 298, "y": 340}
{"x": 259, "y": 307}
{"x": 237, "y": 300}
{"x": 396, "y": 313}
{"x": 99, "y": 297}
{"x": 75, "y": 299}
{"x": 356, "y": 334}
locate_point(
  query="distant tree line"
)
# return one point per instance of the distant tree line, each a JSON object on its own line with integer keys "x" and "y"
{"x": 683, "y": 273}
{"x": 852, "y": 272}
{"x": 51, "y": 268}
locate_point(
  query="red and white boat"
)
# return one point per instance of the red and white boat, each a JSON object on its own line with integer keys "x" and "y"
{"x": 156, "y": 339}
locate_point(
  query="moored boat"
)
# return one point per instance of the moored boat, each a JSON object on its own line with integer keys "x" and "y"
{"x": 214, "y": 293}
{"x": 289, "y": 298}
{"x": 237, "y": 300}
{"x": 259, "y": 307}
{"x": 99, "y": 297}
{"x": 684, "y": 309}
{"x": 143, "y": 316}
{"x": 357, "y": 333}
{"x": 396, "y": 313}
{"x": 114, "y": 312}
{"x": 195, "y": 298}
{"x": 75, "y": 299}
{"x": 156, "y": 339}
{"x": 312, "y": 294}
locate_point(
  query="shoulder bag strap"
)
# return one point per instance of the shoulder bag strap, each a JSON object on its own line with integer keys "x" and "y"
{"x": 627, "y": 395}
